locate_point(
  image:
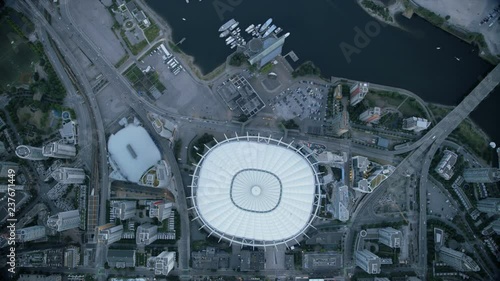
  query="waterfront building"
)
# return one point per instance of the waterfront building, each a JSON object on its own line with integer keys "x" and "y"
{"x": 59, "y": 150}
{"x": 368, "y": 261}
{"x": 30, "y": 152}
{"x": 65, "y": 175}
{"x": 263, "y": 50}
{"x": 340, "y": 124}
{"x": 160, "y": 210}
{"x": 163, "y": 263}
{"x": 481, "y": 175}
{"x": 358, "y": 92}
{"x": 489, "y": 205}
{"x": 390, "y": 237}
{"x": 340, "y": 199}
{"x": 121, "y": 258}
{"x": 445, "y": 167}
{"x": 337, "y": 93}
{"x": 6, "y": 166}
{"x": 415, "y": 124}
{"x": 457, "y": 260}
{"x": 109, "y": 233}
{"x": 64, "y": 220}
{"x": 124, "y": 210}
{"x": 146, "y": 234}
{"x": 30, "y": 233}
{"x": 371, "y": 115}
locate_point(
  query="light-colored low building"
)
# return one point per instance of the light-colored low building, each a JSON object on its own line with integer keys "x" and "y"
{"x": 121, "y": 258}
{"x": 371, "y": 115}
{"x": 340, "y": 203}
{"x": 415, "y": 124}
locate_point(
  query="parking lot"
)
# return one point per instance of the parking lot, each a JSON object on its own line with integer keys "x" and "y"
{"x": 302, "y": 100}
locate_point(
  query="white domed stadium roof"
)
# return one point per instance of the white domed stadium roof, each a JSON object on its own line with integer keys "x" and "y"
{"x": 255, "y": 191}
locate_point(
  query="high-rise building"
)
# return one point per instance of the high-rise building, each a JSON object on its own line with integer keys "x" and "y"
{"x": 390, "y": 237}
{"x": 495, "y": 225}
{"x": 64, "y": 220}
{"x": 489, "y": 205}
{"x": 445, "y": 167}
{"x": 146, "y": 234}
{"x": 30, "y": 152}
{"x": 59, "y": 150}
{"x": 358, "y": 92}
{"x": 263, "y": 50}
{"x": 368, "y": 261}
{"x": 337, "y": 93}
{"x": 71, "y": 257}
{"x": 6, "y": 166}
{"x": 65, "y": 175}
{"x": 340, "y": 203}
{"x": 163, "y": 263}
{"x": 340, "y": 124}
{"x": 30, "y": 233}
{"x": 371, "y": 115}
{"x": 109, "y": 233}
{"x": 481, "y": 175}
{"x": 457, "y": 260}
{"x": 121, "y": 258}
{"x": 160, "y": 210}
{"x": 415, "y": 124}
{"x": 124, "y": 210}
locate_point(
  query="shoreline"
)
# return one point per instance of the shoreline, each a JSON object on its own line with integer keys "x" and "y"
{"x": 188, "y": 59}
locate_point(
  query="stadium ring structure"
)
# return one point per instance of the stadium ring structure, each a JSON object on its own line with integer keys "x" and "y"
{"x": 255, "y": 191}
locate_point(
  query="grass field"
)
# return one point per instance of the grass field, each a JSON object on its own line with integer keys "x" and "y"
{"x": 16, "y": 58}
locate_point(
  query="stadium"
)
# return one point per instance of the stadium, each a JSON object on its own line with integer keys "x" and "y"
{"x": 255, "y": 191}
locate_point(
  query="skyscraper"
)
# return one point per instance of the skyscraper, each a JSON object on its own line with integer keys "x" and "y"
{"x": 340, "y": 123}
{"x": 146, "y": 234}
{"x": 370, "y": 115}
{"x": 109, "y": 233}
{"x": 481, "y": 175}
{"x": 59, "y": 150}
{"x": 65, "y": 175}
{"x": 160, "y": 209}
{"x": 30, "y": 233}
{"x": 390, "y": 237}
{"x": 358, "y": 92}
{"x": 124, "y": 210}
{"x": 64, "y": 220}
{"x": 30, "y": 152}
{"x": 340, "y": 203}
{"x": 368, "y": 261}
{"x": 163, "y": 263}
{"x": 489, "y": 205}
{"x": 457, "y": 260}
